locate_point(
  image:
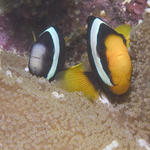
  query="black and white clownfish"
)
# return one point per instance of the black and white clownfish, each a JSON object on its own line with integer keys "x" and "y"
{"x": 47, "y": 58}
{"x": 47, "y": 54}
{"x": 108, "y": 56}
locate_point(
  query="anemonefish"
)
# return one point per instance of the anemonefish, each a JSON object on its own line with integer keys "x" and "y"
{"x": 76, "y": 78}
{"x": 47, "y": 54}
{"x": 108, "y": 56}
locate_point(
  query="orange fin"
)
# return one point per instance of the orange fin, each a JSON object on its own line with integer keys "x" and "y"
{"x": 125, "y": 30}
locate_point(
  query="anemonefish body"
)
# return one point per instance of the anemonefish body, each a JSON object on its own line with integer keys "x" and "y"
{"x": 47, "y": 54}
{"x": 76, "y": 79}
{"x": 108, "y": 56}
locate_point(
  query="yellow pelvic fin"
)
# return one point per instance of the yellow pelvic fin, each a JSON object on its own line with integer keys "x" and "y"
{"x": 74, "y": 79}
{"x": 34, "y": 36}
{"x": 125, "y": 30}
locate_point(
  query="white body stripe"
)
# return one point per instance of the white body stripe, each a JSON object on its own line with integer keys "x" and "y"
{"x": 93, "y": 43}
{"x": 56, "y": 43}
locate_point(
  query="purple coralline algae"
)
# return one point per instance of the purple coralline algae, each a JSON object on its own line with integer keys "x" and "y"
{"x": 19, "y": 20}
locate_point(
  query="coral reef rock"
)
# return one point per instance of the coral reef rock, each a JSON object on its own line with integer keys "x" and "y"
{"x": 36, "y": 114}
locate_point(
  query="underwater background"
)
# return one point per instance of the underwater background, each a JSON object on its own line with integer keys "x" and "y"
{"x": 36, "y": 114}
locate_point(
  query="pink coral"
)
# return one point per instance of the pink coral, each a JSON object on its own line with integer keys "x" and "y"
{"x": 17, "y": 25}
{"x": 136, "y": 8}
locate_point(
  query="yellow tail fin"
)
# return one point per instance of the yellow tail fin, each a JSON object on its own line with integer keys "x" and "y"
{"x": 74, "y": 79}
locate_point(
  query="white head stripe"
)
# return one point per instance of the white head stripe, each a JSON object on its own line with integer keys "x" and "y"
{"x": 93, "y": 43}
{"x": 56, "y": 43}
